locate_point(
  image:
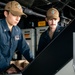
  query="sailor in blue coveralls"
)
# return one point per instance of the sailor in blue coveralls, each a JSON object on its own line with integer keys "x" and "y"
{"x": 52, "y": 18}
{"x": 11, "y": 36}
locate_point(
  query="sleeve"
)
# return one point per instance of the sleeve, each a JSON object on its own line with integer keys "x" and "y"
{"x": 3, "y": 63}
{"x": 24, "y": 49}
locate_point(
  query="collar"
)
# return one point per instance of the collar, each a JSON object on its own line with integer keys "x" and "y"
{"x": 57, "y": 29}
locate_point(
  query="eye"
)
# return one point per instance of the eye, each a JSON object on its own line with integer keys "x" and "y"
{"x": 54, "y": 19}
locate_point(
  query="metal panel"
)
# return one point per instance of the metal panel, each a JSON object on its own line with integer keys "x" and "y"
{"x": 29, "y": 35}
{"x": 67, "y": 69}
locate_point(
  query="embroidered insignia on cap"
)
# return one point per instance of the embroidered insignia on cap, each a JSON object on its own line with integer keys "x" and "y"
{"x": 18, "y": 6}
{"x": 52, "y": 11}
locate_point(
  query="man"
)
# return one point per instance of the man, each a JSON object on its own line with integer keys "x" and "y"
{"x": 52, "y": 18}
{"x": 11, "y": 37}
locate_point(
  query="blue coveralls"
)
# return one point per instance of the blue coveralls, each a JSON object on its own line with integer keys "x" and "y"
{"x": 9, "y": 41}
{"x": 45, "y": 38}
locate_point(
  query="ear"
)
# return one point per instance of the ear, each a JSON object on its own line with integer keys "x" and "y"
{"x": 5, "y": 13}
{"x": 58, "y": 19}
{"x": 46, "y": 19}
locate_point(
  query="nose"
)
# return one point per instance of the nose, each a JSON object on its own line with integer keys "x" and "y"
{"x": 18, "y": 18}
{"x": 53, "y": 21}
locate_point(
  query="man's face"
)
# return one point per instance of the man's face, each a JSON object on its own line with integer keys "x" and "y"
{"x": 52, "y": 22}
{"x": 12, "y": 19}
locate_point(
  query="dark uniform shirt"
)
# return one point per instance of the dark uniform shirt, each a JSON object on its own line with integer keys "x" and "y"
{"x": 45, "y": 38}
{"x": 9, "y": 41}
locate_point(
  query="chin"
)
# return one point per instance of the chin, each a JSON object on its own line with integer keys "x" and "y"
{"x": 15, "y": 25}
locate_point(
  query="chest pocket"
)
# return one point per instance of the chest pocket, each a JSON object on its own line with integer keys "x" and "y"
{"x": 4, "y": 39}
{"x": 4, "y": 43}
{"x": 16, "y": 37}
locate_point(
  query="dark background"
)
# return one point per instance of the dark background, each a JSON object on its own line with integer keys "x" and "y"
{"x": 39, "y": 8}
